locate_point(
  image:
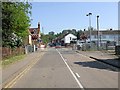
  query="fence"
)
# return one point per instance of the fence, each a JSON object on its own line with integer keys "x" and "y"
{"x": 117, "y": 50}
{"x": 29, "y": 49}
{"x": 8, "y": 52}
{"x": 103, "y": 46}
{"x": 87, "y": 47}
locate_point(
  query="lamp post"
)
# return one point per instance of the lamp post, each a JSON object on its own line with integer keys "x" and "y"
{"x": 97, "y": 32}
{"x": 89, "y": 14}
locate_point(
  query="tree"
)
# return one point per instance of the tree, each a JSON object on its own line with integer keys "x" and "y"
{"x": 73, "y": 31}
{"x": 79, "y": 34}
{"x": 51, "y": 37}
{"x": 45, "y": 38}
{"x": 15, "y": 22}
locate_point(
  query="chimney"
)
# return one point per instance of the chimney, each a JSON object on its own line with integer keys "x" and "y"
{"x": 38, "y": 27}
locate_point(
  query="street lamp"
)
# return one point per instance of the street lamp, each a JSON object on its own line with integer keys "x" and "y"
{"x": 89, "y": 14}
{"x": 97, "y": 32}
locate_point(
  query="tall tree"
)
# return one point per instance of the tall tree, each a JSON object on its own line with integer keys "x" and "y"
{"x": 15, "y": 22}
{"x": 79, "y": 34}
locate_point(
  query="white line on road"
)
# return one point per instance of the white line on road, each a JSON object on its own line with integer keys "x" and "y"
{"x": 65, "y": 59}
{"x": 82, "y": 55}
{"x": 77, "y": 75}
{"x": 80, "y": 85}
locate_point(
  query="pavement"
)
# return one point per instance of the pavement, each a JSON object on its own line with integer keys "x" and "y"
{"x": 103, "y": 56}
{"x": 14, "y": 69}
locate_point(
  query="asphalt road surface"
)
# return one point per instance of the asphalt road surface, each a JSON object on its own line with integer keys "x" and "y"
{"x": 64, "y": 68}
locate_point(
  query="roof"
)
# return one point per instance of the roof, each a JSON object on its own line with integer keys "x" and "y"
{"x": 34, "y": 33}
{"x": 71, "y": 34}
{"x": 61, "y": 37}
{"x": 32, "y": 29}
{"x": 105, "y": 32}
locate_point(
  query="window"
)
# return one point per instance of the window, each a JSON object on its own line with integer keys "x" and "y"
{"x": 95, "y": 36}
{"x": 104, "y": 36}
{"x": 32, "y": 32}
{"x": 111, "y": 36}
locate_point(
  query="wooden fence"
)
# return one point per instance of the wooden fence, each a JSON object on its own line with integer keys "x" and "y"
{"x": 8, "y": 52}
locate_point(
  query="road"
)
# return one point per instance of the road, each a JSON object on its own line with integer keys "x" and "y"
{"x": 64, "y": 68}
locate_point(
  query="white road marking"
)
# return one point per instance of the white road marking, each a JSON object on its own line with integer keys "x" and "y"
{"x": 65, "y": 59}
{"x": 80, "y": 85}
{"x": 82, "y": 55}
{"x": 77, "y": 75}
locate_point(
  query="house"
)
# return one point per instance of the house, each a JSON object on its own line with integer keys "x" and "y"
{"x": 34, "y": 36}
{"x": 68, "y": 38}
{"x": 103, "y": 37}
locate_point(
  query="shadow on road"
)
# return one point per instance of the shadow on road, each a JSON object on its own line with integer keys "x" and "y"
{"x": 114, "y": 62}
{"x": 96, "y": 64}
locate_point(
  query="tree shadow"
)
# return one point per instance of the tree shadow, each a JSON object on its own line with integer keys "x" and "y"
{"x": 96, "y": 64}
{"x": 115, "y": 62}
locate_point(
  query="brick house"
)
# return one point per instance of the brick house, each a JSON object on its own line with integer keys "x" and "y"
{"x": 34, "y": 36}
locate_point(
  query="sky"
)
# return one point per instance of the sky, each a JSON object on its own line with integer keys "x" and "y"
{"x": 58, "y": 16}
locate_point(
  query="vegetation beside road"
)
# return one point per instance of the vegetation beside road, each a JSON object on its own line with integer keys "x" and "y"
{"x": 15, "y": 23}
{"x": 11, "y": 60}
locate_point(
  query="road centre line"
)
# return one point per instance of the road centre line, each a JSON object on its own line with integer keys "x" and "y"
{"x": 77, "y": 75}
{"x": 80, "y": 85}
{"x": 65, "y": 59}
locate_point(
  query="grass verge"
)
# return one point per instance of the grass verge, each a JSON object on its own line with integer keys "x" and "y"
{"x": 12, "y": 60}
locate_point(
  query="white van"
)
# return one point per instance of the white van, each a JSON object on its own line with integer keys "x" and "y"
{"x": 80, "y": 43}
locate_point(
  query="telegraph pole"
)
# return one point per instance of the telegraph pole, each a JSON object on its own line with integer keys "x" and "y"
{"x": 97, "y": 32}
{"x": 89, "y": 14}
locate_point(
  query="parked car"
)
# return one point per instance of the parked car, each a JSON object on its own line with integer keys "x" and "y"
{"x": 50, "y": 44}
{"x": 58, "y": 45}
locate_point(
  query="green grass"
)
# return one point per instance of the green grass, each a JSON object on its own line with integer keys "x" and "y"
{"x": 12, "y": 60}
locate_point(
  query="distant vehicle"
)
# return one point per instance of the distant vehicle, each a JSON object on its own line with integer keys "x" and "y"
{"x": 80, "y": 43}
{"x": 50, "y": 44}
{"x": 42, "y": 46}
{"x": 58, "y": 45}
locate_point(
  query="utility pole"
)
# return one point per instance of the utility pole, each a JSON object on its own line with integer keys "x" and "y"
{"x": 89, "y": 14}
{"x": 97, "y": 32}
